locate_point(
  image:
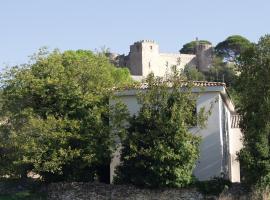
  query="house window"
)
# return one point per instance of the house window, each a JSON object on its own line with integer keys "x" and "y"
{"x": 167, "y": 64}
{"x": 149, "y": 65}
{"x": 151, "y": 47}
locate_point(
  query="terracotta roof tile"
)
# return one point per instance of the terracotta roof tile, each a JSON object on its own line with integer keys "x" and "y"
{"x": 208, "y": 84}
{"x": 196, "y": 84}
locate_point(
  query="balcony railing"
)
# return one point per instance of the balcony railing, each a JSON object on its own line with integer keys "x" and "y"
{"x": 235, "y": 121}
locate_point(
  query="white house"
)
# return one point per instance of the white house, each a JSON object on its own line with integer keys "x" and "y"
{"x": 221, "y": 138}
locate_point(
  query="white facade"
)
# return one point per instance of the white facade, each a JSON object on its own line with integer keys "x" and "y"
{"x": 220, "y": 141}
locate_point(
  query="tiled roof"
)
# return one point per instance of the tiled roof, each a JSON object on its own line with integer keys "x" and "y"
{"x": 208, "y": 84}
{"x": 235, "y": 121}
{"x": 196, "y": 84}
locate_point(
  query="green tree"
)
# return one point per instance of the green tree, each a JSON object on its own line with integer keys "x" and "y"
{"x": 159, "y": 150}
{"x": 190, "y": 48}
{"x": 230, "y": 48}
{"x": 254, "y": 106}
{"x": 55, "y": 115}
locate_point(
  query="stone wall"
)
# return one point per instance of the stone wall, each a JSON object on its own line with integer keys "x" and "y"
{"x": 85, "y": 191}
{"x": 94, "y": 191}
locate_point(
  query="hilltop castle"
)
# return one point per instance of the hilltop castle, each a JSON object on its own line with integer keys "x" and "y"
{"x": 144, "y": 57}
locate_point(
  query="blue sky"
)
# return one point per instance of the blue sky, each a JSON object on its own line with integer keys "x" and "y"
{"x": 26, "y": 25}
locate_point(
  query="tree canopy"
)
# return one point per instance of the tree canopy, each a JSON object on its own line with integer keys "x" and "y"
{"x": 254, "y": 106}
{"x": 190, "y": 47}
{"x": 231, "y": 47}
{"x": 55, "y": 115}
{"x": 158, "y": 149}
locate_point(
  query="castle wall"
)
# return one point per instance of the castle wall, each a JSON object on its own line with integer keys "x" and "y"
{"x": 144, "y": 57}
{"x": 204, "y": 54}
{"x": 187, "y": 59}
{"x": 135, "y": 59}
{"x": 168, "y": 60}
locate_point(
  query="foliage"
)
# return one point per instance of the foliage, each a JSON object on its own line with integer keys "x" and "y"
{"x": 230, "y": 48}
{"x": 193, "y": 74}
{"x": 55, "y": 115}
{"x": 159, "y": 150}
{"x": 190, "y": 48}
{"x": 254, "y": 96}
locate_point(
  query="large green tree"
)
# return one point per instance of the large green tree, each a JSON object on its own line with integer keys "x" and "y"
{"x": 55, "y": 115}
{"x": 231, "y": 47}
{"x": 159, "y": 150}
{"x": 254, "y": 107}
{"x": 190, "y": 47}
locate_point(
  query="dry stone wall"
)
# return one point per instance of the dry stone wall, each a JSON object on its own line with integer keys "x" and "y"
{"x": 97, "y": 191}
{"x": 86, "y": 191}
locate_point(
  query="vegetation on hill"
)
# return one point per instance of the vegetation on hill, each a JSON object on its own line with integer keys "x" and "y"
{"x": 55, "y": 116}
{"x": 159, "y": 150}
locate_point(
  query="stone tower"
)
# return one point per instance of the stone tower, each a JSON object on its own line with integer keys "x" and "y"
{"x": 143, "y": 57}
{"x": 204, "y": 56}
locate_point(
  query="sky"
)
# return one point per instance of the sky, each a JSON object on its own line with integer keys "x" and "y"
{"x": 27, "y": 25}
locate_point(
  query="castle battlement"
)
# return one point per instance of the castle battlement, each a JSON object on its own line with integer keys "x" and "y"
{"x": 145, "y": 41}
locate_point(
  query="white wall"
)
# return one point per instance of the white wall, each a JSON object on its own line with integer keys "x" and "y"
{"x": 209, "y": 164}
{"x": 235, "y": 142}
{"x": 133, "y": 108}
